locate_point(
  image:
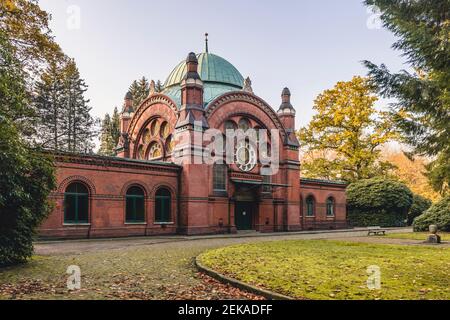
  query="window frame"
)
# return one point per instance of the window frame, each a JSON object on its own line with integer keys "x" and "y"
{"x": 223, "y": 175}
{"x": 310, "y": 200}
{"x": 77, "y": 196}
{"x": 134, "y": 199}
{"x": 168, "y": 201}
{"x": 331, "y": 203}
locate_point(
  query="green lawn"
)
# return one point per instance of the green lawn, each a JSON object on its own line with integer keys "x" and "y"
{"x": 337, "y": 270}
{"x": 417, "y": 236}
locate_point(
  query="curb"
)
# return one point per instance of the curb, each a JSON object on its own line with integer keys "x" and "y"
{"x": 239, "y": 284}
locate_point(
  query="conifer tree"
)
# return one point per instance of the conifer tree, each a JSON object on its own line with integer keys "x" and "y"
{"x": 140, "y": 90}
{"x": 422, "y": 107}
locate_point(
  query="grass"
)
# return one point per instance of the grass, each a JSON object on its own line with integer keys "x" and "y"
{"x": 417, "y": 236}
{"x": 129, "y": 273}
{"x": 337, "y": 270}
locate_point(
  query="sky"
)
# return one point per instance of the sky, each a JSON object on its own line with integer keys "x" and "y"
{"x": 305, "y": 45}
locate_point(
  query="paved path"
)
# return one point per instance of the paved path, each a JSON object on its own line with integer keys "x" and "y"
{"x": 77, "y": 246}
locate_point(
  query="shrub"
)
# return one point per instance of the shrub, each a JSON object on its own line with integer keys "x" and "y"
{"x": 378, "y": 202}
{"x": 26, "y": 180}
{"x": 438, "y": 214}
{"x": 419, "y": 206}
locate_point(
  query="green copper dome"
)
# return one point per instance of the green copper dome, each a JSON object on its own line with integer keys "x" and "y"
{"x": 218, "y": 76}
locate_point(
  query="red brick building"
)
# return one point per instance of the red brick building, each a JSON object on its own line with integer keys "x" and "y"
{"x": 166, "y": 178}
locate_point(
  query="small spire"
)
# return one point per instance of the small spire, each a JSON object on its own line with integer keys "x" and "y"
{"x": 206, "y": 42}
{"x": 248, "y": 85}
{"x": 152, "y": 88}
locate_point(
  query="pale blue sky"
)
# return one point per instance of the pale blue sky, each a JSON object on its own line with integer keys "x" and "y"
{"x": 305, "y": 45}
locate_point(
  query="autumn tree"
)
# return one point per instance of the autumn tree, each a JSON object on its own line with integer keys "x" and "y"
{"x": 422, "y": 107}
{"x": 26, "y": 27}
{"x": 346, "y": 134}
{"x": 411, "y": 171}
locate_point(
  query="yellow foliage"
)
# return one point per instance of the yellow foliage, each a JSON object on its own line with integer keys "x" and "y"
{"x": 411, "y": 172}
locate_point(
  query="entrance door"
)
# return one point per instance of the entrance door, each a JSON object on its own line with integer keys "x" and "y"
{"x": 244, "y": 215}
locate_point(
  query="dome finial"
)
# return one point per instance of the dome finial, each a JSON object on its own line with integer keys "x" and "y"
{"x": 206, "y": 42}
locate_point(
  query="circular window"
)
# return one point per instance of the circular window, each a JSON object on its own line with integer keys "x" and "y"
{"x": 164, "y": 131}
{"x": 154, "y": 126}
{"x": 155, "y": 151}
{"x": 245, "y": 156}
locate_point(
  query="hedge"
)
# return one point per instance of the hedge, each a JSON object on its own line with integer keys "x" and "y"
{"x": 378, "y": 202}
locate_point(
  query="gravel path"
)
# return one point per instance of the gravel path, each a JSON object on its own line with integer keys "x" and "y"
{"x": 77, "y": 246}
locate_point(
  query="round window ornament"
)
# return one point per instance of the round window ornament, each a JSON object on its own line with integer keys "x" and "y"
{"x": 246, "y": 157}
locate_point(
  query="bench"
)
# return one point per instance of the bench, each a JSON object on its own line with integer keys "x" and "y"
{"x": 376, "y": 231}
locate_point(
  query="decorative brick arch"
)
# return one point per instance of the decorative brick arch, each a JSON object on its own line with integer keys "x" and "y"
{"x": 165, "y": 186}
{"x": 66, "y": 182}
{"x": 148, "y": 103}
{"x": 137, "y": 183}
{"x": 246, "y": 97}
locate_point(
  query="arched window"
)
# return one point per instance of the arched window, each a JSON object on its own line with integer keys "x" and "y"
{"x": 244, "y": 124}
{"x": 135, "y": 205}
{"x": 76, "y": 203}
{"x": 163, "y": 206}
{"x": 310, "y": 206}
{"x": 220, "y": 177}
{"x": 330, "y": 207}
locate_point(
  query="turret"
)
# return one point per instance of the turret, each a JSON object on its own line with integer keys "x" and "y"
{"x": 122, "y": 149}
{"x": 191, "y": 95}
{"x": 286, "y": 113}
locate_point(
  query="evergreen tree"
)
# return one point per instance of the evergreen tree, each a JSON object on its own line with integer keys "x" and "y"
{"x": 110, "y": 134}
{"x": 140, "y": 90}
{"x": 49, "y": 104}
{"x": 106, "y": 144}
{"x": 79, "y": 124}
{"x": 115, "y": 127}
{"x": 159, "y": 86}
{"x": 64, "y": 120}
{"x": 422, "y": 108}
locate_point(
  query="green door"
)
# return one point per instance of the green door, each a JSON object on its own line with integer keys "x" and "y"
{"x": 244, "y": 216}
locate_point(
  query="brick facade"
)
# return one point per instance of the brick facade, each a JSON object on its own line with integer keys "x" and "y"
{"x": 158, "y": 150}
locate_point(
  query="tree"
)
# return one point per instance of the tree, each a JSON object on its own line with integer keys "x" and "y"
{"x": 344, "y": 137}
{"x": 378, "y": 202}
{"x": 64, "y": 120}
{"x": 140, "y": 90}
{"x": 79, "y": 124}
{"x": 411, "y": 171}
{"x": 50, "y": 101}
{"x": 419, "y": 206}
{"x": 106, "y": 143}
{"x": 110, "y": 134}
{"x": 26, "y": 27}
{"x": 422, "y": 107}
{"x": 115, "y": 127}
{"x": 26, "y": 174}
{"x": 159, "y": 86}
